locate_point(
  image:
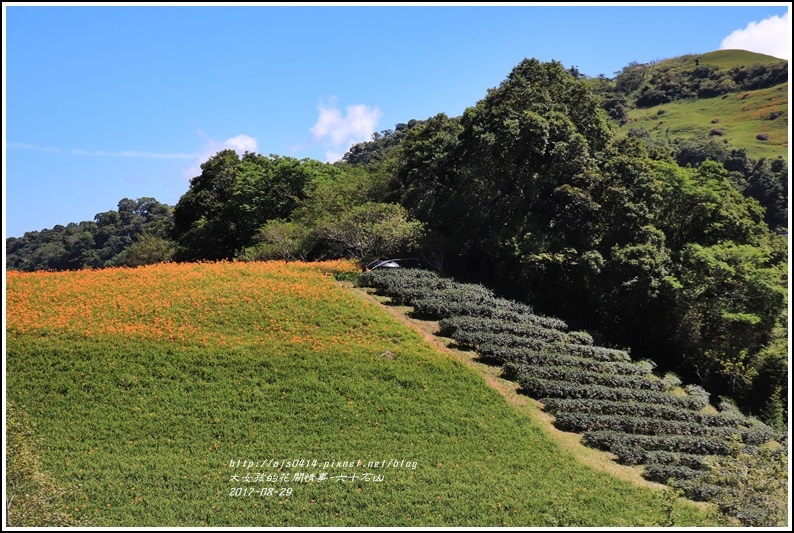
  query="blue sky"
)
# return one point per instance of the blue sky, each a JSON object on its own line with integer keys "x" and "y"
{"x": 119, "y": 101}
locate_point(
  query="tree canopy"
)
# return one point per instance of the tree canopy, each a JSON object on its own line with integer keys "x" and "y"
{"x": 102, "y": 242}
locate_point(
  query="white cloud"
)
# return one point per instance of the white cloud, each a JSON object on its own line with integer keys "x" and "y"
{"x": 332, "y": 157}
{"x": 339, "y": 131}
{"x": 771, "y": 36}
{"x": 240, "y": 144}
{"x": 37, "y": 148}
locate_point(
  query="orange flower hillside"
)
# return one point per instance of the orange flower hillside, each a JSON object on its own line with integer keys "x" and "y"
{"x": 224, "y": 303}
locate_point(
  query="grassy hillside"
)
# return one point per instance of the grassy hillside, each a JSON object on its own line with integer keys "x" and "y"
{"x": 264, "y": 394}
{"x": 739, "y": 117}
{"x": 726, "y": 96}
{"x": 734, "y": 58}
{"x": 725, "y": 59}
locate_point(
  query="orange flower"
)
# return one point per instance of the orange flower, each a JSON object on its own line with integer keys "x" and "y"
{"x": 220, "y": 303}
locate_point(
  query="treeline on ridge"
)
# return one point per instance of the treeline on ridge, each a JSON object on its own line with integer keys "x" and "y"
{"x": 139, "y": 232}
{"x": 531, "y": 192}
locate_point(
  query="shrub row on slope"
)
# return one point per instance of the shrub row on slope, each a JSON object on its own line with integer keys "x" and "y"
{"x": 543, "y": 356}
{"x": 618, "y": 404}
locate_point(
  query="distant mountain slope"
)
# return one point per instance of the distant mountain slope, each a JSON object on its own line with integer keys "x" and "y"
{"x": 734, "y": 95}
{"x": 730, "y": 106}
{"x": 735, "y": 58}
{"x": 756, "y": 121}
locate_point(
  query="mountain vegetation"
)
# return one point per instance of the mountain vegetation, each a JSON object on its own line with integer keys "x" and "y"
{"x": 139, "y": 232}
{"x": 730, "y": 106}
{"x": 550, "y": 190}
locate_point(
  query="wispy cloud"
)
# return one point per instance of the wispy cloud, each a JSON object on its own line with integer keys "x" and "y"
{"x": 338, "y": 131}
{"x": 771, "y": 36}
{"x": 100, "y": 153}
{"x": 130, "y": 153}
{"x": 36, "y": 147}
{"x": 240, "y": 143}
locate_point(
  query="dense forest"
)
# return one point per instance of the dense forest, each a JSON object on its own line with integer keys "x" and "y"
{"x": 673, "y": 251}
{"x": 123, "y": 237}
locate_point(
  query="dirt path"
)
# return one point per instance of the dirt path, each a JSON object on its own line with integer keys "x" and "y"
{"x": 510, "y": 392}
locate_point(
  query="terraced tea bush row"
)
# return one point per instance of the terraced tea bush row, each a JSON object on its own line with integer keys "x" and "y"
{"x": 530, "y": 331}
{"x": 580, "y": 337}
{"x": 478, "y": 340}
{"x": 649, "y": 410}
{"x": 539, "y": 388}
{"x": 443, "y": 305}
{"x": 406, "y": 296}
{"x": 635, "y": 449}
{"x": 403, "y": 285}
{"x": 401, "y": 279}
{"x": 616, "y": 442}
{"x": 399, "y": 282}
{"x": 453, "y": 302}
{"x": 696, "y": 391}
{"x": 638, "y": 456}
{"x": 544, "y": 358}
{"x": 595, "y": 352}
{"x": 757, "y": 434}
{"x": 582, "y": 377}
{"x": 694, "y": 489}
{"x": 581, "y": 422}
{"x": 662, "y": 473}
{"x": 527, "y": 326}
{"x": 507, "y": 350}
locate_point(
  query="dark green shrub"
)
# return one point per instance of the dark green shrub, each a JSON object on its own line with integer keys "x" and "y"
{"x": 538, "y": 357}
{"x": 637, "y": 409}
{"x": 662, "y": 473}
{"x": 582, "y": 422}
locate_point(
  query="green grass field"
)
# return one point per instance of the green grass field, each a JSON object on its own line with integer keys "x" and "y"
{"x": 279, "y": 363}
{"x": 740, "y": 117}
{"x": 735, "y": 58}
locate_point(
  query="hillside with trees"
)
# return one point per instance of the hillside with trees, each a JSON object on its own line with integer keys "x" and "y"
{"x": 730, "y": 106}
{"x": 139, "y": 232}
{"x": 644, "y": 85}
{"x": 535, "y": 191}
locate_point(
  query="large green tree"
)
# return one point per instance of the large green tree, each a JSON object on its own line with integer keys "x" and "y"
{"x": 222, "y": 211}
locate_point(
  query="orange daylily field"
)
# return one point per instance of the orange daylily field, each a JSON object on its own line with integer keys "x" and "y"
{"x": 206, "y": 304}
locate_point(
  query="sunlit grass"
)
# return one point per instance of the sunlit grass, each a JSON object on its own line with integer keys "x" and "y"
{"x": 739, "y": 116}
{"x": 735, "y": 58}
